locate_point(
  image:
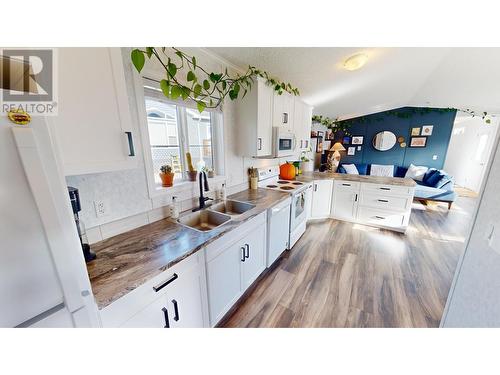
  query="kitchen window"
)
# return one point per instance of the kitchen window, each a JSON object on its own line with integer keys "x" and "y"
{"x": 175, "y": 128}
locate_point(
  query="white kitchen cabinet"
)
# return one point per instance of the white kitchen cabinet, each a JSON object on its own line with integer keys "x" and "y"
{"x": 93, "y": 128}
{"x": 302, "y": 124}
{"x": 321, "y": 199}
{"x": 155, "y": 315}
{"x": 283, "y": 112}
{"x": 255, "y": 256}
{"x": 233, "y": 263}
{"x": 345, "y": 200}
{"x": 254, "y": 117}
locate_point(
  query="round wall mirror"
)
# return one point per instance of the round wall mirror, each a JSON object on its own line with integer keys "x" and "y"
{"x": 384, "y": 141}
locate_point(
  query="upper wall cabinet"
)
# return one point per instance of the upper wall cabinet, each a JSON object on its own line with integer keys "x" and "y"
{"x": 302, "y": 124}
{"x": 254, "y": 120}
{"x": 283, "y": 112}
{"x": 93, "y": 128}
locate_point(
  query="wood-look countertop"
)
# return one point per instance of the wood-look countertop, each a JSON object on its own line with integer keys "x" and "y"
{"x": 128, "y": 260}
{"x": 397, "y": 181}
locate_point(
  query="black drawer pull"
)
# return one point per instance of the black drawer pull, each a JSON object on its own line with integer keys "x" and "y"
{"x": 346, "y": 184}
{"x": 165, "y": 315}
{"x": 247, "y": 254}
{"x": 383, "y": 200}
{"x": 165, "y": 283}
{"x": 385, "y": 188}
{"x": 131, "y": 150}
{"x": 260, "y": 144}
{"x": 176, "y": 310}
{"x": 379, "y": 217}
{"x": 243, "y": 257}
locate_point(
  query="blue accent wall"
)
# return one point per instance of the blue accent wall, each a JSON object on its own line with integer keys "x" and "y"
{"x": 437, "y": 143}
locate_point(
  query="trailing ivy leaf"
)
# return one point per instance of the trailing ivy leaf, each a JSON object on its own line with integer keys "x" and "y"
{"x": 185, "y": 92}
{"x": 244, "y": 93}
{"x": 206, "y": 84}
{"x": 224, "y": 85}
{"x": 175, "y": 92}
{"x": 138, "y": 59}
{"x": 201, "y": 106}
{"x": 197, "y": 90}
{"x": 193, "y": 60}
{"x": 191, "y": 76}
{"x": 488, "y": 121}
{"x": 179, "y": 53}
{"x": 236, "y": 88}
{"x": 149, "y": 52}
{"x": 172, "y": 69}
{"x": 165, "y": 87}
{"x": 232, "y": 95}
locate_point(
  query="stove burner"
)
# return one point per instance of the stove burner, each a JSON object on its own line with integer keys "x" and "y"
{"x": 272, "y": 186}
{"x": 287, "y": 187}
{"x": 297, "y": 183}
{"x": 283, "y": 182}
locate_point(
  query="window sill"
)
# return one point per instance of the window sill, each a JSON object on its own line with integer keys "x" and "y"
{"x": 184, "y": 185}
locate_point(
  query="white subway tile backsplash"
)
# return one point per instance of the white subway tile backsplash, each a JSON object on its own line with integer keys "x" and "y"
{"x": 123, "y": 225}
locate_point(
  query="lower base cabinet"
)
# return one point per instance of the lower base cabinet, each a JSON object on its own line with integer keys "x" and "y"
{"x": 233, "y": 264}
{"x": 321, "y": 199}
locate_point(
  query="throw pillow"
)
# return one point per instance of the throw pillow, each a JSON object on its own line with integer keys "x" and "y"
{"x": 382, "y": 170}
{"x": 350, "y": 168}
{"x": 445, "y": 179}
{"x": 416, "y": 172}
{"x": 341, "y": 169}
{"x": 432, "y": 177}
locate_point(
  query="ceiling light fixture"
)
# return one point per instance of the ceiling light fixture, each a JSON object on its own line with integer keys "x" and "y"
{"x": 356, "y": 61}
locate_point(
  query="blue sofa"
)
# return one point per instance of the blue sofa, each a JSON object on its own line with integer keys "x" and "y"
{"x": 436, "y": 185}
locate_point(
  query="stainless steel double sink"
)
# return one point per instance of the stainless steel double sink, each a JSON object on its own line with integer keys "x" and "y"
{"x": 214, "y": 216}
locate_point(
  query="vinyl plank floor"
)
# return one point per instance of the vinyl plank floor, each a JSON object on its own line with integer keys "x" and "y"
{"x": 341, "y": 274}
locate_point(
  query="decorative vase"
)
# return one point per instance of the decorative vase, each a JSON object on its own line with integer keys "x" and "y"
{"x": 254, "y": 183}
{"x": 192, "y": 175}
{"x": 167, "y": 179}
{"x": 308, "y": 166}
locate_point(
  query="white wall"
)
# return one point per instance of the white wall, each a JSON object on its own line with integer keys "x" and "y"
{"x": 474, "y": 300}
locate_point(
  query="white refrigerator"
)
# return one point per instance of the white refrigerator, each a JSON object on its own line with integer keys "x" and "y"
{"x": 43, "y": 279}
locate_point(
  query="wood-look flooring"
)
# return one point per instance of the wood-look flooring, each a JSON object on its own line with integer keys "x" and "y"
{"x": 341, "y": 274}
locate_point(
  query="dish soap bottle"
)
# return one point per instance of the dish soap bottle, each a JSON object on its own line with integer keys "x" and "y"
{"x": 175, "y": 208}
{"x": 222, "y": 192}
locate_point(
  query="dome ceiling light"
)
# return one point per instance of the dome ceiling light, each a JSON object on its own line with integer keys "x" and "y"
{"x": 355, "y": 61}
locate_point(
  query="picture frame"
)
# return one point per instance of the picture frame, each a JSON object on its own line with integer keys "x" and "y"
{"x": 351, "y": 151}
{"x": 346, "y": 140}
{"x": 418, "y": 142}
{"x": 415, "y": 131}
{"x": 314, "y": 134}
{"x": 357, "y": 140}
{"x": 319, "y": 145}
{"x": 427, "y": 130}
{"x": 320, "y": 134}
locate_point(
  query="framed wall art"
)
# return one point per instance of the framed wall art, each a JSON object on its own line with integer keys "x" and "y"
{"x": 427, "y": 130}
{"x": 418, "y": 142}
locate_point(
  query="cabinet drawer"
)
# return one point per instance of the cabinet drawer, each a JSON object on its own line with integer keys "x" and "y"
{"x": 346, "y": 185}
{"x": 387, "y": 189}
{"x": 388, "y": 202}
{"x": 381, "y": 217}
{"x": 135, "y": 301}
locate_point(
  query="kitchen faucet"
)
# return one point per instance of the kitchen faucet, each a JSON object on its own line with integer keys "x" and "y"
{"x": 202, "y": 199}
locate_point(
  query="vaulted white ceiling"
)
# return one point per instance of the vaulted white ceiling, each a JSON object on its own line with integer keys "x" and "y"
{"x": 392, "y": 77}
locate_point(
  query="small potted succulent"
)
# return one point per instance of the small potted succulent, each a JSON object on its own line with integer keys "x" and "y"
{"x": 166, "y": 175}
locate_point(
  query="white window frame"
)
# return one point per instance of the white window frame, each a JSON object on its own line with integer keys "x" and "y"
{"x": 216, "y": 122}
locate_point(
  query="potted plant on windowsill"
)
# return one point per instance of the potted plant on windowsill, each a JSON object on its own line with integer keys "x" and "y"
{"x": 167, "y": 176}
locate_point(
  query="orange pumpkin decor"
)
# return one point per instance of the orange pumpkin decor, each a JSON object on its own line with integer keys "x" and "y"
{"x": 287, "y": 171}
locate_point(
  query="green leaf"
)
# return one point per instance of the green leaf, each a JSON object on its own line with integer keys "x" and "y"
{"x": 193, "y": 60}
{"x": 191, "y": 76}
{"x": 488, "y": 121}
{"x": 224, "y": 85}
{"x": 138, "y": 59}
{"x": 201, "y": 106}
{"x": 236, "y": 88}
{"x": 176, "y": 92}
{"x": 185, "y": 92}
{"x": 172, "y": 69}
{"x": 197, "y": 90}
{"x": 179, "y": 53}
{"x": 149, "y": 52}
{"x": 206, "y": 84}
{"x": 165, "y": 87}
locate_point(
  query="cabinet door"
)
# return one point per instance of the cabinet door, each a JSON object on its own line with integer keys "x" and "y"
{"x": 321, "y": 202}
{"x": 344, "y": 204}
{"x": 254, "y": 248}
{"x": 306, "y": 126}
{"x": 184, "y": 299}
{"x": 93, "y": 111}
{"x": 302, "y": 124}
{"x": 223, "y": 275}
{"x": 154, "y": 315}
{"x": 283, "y": 112}
{"x": 264, "y": 119}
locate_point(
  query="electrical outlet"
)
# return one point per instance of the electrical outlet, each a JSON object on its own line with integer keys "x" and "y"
{"x": 101, "y": 208}
{"x": 434, "y": 157}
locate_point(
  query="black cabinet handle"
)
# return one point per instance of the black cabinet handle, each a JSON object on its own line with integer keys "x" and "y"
{"x": 176, "y": 310}
{"x": 131, "y": 150}
{"x": 165, "y": 283}
{"x": 242, "y": 253}
{"x": 315, "y": 187}
{"x": 165, "y": 315}
{"x": 346, "y": 184}
{"x": 385, "y": 188}
{"x": 285, "y": 118}
{"x": 260, "y": 143}
{"x": 379, "y": 217}
{"x": 356, "y": 198}
{"x": 383, "y": 200}
{"x": 247, "y": 255}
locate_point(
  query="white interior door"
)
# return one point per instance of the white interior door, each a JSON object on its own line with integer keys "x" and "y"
{"x": 479, "y": 158}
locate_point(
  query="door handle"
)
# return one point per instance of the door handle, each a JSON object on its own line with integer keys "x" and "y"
{"x": 242, "y": 253}
{"x": 165, "y": 283}
{"x": 176, "y": 310}
{"x": 131, "y": 150}
{"x": 247, "y": 255}
{"x": 165, "y": 315}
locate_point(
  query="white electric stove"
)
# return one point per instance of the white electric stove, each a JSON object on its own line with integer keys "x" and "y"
{"x": 300, "y": 193}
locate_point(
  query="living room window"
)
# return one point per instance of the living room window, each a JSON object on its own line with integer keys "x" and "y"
{"x": 175, "y": 128}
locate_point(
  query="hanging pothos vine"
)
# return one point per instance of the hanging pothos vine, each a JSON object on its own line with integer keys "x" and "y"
{"x": 343, "y": 126}
{"x": 207, "y": 89}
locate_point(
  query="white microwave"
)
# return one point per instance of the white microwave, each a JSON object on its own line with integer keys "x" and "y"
{"x": 283, "y": 143}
